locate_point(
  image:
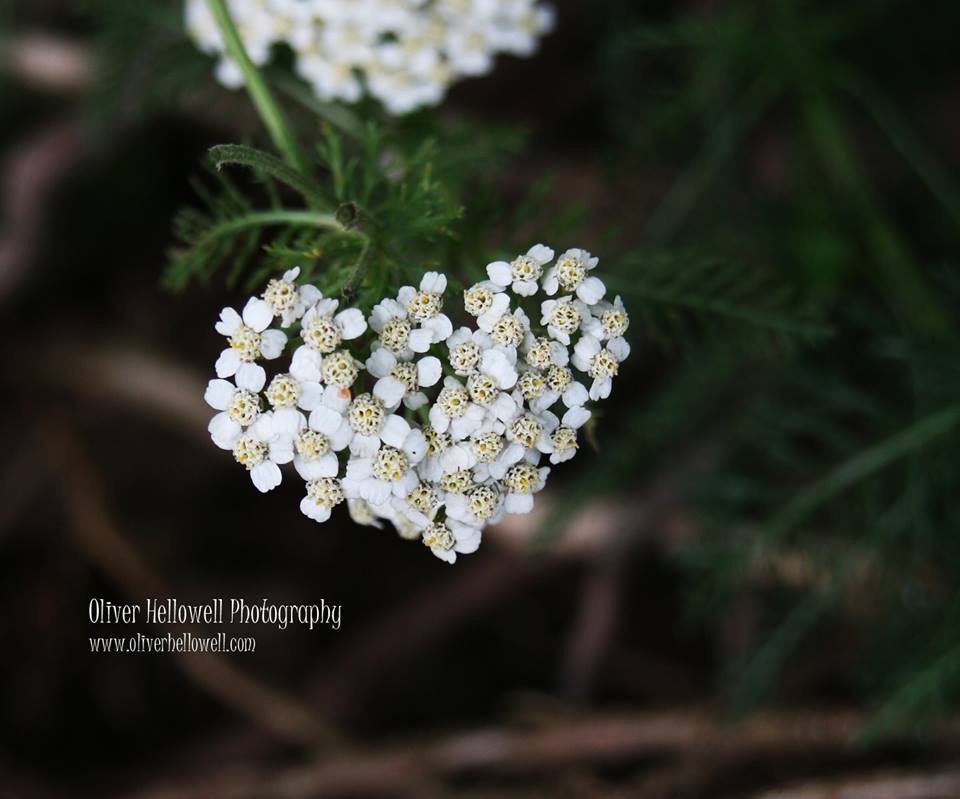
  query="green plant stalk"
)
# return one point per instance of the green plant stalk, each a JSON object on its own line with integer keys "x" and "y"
{"x": 263, "y": 100}
{"x": 279, "y": 216}
{"x": 917, "y": 300}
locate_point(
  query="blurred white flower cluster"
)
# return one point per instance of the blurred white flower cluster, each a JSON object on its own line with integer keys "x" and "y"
{"x": 440, "y": 431}
{"x": 406, "y": 53}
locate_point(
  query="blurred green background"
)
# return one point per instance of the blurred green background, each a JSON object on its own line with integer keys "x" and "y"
{"x": 765, "y": 521}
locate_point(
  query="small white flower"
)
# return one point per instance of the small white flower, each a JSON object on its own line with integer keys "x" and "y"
{"x": 417, "y": 509}
{"x": 607, "y": 320}
{"x": 455, "y": 412}
{"x": 474, "y": 352}
{"x": 288, "y": 300}
{"x": 323, "y": 330}
{"x": 560, "y": 436}
{"x": 286, "y": 394}
{"x": 481, "y": 505}
{"x": 316, "y": 451}
{"x": 541, "y": 352}
{"x": 413, "y": 321}
{"x": 560, "y": 385}
{"x": 443, "y": 455}
{"x": 402, "y": 380}
{"x": 260, "y": 448}
{"x": 494, "y": 454}
{"x": 323, "y": 495}
{"x": 388, "y": 472}
{"x": 373, "y": 425}
{"x": 600, "y": 362}
{"x": 239, "y": 408}
{"x": 521, "y": 482}
{"x": 508, "y": 329}
{"x": 563, "y": 317}
{"x": 523, "y": 273}
{"x": 449, "y": 538}
{"x": 570, "y": 274}
{"x": 249, "y": 340}
{"x": 361, "y": 513}
{"x": 485, "y": 297}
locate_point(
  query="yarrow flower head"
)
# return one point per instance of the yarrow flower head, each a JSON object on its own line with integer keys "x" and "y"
{"x": 406, "y": 53}
{"x": 438, "y": 431}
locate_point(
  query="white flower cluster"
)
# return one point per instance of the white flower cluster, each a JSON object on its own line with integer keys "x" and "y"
{"x": 439, "y": 430}
{"x": 406, "y": 53}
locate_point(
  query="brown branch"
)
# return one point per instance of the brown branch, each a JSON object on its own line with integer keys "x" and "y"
{"x": 917, "y": 785}
{"x": 402, "y": 768}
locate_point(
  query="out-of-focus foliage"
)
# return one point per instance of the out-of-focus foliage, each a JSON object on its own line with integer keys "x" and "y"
{"x": 841, "y": 457}
{"x": 794, "y": 297}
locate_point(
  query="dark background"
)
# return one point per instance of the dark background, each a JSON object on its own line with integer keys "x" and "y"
{"x": 747, "y": 584}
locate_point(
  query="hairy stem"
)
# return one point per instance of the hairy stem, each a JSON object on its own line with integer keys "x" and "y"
{"x": 263, "y": 100}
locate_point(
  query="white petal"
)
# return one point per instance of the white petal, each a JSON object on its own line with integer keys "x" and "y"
{"x": 416, "y": 400}
{"x": 229, "y": 322}
{"x": 224, "y": 431}
{"x": 281, "y": 451}
{"x": 446, "y": 555}
{"x": 619, "y": 348}
{"x": 262, "y": 428}
{"x": 601, "y": 389}
{"x": 381, "y": 362}
{"x": 287, "y": 422}
{"x": 359, "y": 468}
{"x": 341, "y": 437}
{"x": 550, "y": 282}
{"x": 459, "y": 336}
{"x": 525, "y": 288}
{"x": 325, "y": 420}
{"x": 440, "y": 325}
{"x": 394, "y": 431}
{"x": 541, "y": 253}
{"x": 310, "y": 509}
{"x": 468, "y": 540}
{"x": 576, "y": 394}
{"x": 464, "y": 426}
{"x": 305, "y": 364}
{"x": 291, "y": 274}
{"x": 310, "y": 294}
{"x": 496, "y": 365}
{"x": 439, "y": 421}
{"x": 228, "y": 363}
{"x": 352, "y": 323}
{"x": 591, "y": 291}
{"x": 390, "y": 391}
{"x": 336, "y": 398}
{"x": 251, "y": 376}
{"x": 500, "y": 273}
{"x": 587, "y": 347}
{"x": 257, "y": 314}
{"x": 272, "y": 343}
{"x": 376, "y": 492}
{"x": 415, "y": 446}
{"x": 266, "y": 476}
{"x": 518, "y": 503}
{"x": 364, "y": 446}
{"x": 503, "y": 407}
{"x": 219, "y": 393}
{"x": 434, "y": 281}
{"x": 420, "y": 339}
{"x": 429, "y": 371}
{"x": 311, "y": 395}
{"x": 576, "y": 417}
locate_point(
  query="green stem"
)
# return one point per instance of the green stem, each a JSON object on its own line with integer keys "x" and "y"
{"x": 263, "y": 100}
{"x": 279, "y": 216}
